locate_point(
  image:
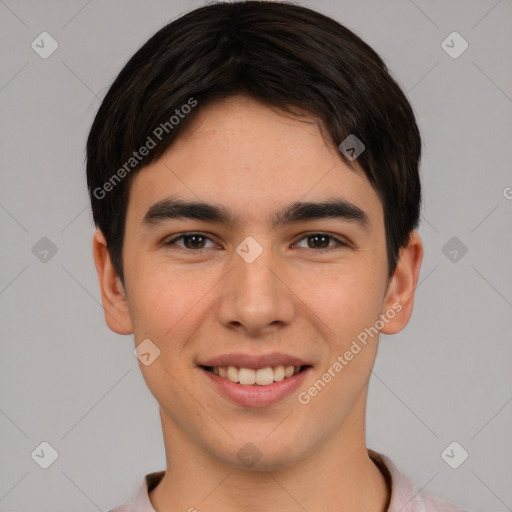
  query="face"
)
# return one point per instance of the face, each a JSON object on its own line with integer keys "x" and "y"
{"x": 257, "y": 282}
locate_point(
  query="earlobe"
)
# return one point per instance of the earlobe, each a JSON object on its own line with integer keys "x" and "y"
{"x": 399, "y": 301}
{"x": 113, "y": 295}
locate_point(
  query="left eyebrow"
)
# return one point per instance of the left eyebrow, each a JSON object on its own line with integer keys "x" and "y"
{"x": 171, "y": 208}
{"x": 330, "y": 209}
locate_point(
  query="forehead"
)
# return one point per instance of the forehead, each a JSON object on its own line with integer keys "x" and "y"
{"x": 254, "y": 159}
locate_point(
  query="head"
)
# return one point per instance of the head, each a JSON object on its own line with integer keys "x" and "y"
{"x": 244, "y": 110}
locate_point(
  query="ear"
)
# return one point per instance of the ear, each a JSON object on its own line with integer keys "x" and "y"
{"x": 399, "y": 300}
{"x": 113, "y": 295}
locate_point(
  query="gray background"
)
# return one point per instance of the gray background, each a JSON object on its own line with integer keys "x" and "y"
{"x": 67, "y": 380}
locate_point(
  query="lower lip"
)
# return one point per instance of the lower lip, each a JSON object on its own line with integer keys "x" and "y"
{"x": 255, "y": 395}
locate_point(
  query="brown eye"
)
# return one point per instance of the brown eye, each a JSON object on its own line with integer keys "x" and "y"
{"x": 318, "y": 241}
{"x": 190, "y": 241}
{"x": 193, "y": 241}
{"x": 321, "y": 241}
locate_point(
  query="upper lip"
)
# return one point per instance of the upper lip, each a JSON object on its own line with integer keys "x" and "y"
{"x": 254, "y": 361}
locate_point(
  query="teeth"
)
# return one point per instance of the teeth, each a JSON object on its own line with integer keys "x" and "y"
{"x": 232, "y": 374}
{"x": 278, "y": 373}
{"x": 249, "y": 376}
{"x": 264, "y": 376}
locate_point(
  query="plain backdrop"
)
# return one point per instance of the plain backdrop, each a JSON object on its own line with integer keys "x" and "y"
{"x": 66, "y": 380}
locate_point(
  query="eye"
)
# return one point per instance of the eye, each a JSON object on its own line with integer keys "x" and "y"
{"x": 195, "y": 242}
{"x": 320, "y": 242}
{"x": 191, "y": 241}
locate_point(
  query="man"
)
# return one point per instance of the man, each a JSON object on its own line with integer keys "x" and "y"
{"x": 253, "y": 173}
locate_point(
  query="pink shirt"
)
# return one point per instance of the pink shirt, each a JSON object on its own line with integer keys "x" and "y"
{"x": 405, "y": 497}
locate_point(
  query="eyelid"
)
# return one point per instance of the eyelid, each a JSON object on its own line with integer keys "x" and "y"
{"x": 341, "y": 242}
{"x": 188, "y": 233}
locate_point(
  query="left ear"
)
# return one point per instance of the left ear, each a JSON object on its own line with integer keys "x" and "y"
{"x": 400, "y": 293}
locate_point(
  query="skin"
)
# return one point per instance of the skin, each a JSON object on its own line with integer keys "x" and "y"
{"x": 292, "y": 299}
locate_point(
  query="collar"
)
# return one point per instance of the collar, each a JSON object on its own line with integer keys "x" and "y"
{"x": 405, "y": 497}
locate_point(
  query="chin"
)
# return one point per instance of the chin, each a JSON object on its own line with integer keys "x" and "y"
{"x": 261, "y": 453}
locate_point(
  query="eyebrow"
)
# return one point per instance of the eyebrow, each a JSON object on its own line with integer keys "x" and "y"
{"x": 172, "y": 208}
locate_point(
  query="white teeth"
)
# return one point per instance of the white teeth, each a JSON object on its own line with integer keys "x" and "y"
{"x": 279, "y": 373}
{"x": 232, "y": 373}
{"x": 247, "y": 376}
{"x": 262, "y": 376}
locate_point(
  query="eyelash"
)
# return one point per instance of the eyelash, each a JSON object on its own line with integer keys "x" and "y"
{"x": 200, "y": 251}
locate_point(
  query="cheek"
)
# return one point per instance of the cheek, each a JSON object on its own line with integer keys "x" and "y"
{"x": 167, "y": 305}
{"x": 346, "y": 300}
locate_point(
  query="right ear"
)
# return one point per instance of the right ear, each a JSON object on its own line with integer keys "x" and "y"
{"x": 113, "y": 295}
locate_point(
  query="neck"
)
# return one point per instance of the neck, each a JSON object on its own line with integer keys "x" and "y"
{"x": 337, "y": 476}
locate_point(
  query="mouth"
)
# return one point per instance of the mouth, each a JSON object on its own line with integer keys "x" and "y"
{"x": 254, "y": 380}
{"x": 259, "y": 377}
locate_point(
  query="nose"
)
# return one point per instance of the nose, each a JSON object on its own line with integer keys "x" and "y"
{"x": 256, "y": 297}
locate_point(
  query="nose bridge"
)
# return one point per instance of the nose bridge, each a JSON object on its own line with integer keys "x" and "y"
{"x": 255, "y": 295}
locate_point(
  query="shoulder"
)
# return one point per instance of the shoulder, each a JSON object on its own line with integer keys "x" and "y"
{"x": 406, "y": 497}
{"x": 127, "y": 507}
{"x": 140, "y": 502}
{"x": 426, "y": 502}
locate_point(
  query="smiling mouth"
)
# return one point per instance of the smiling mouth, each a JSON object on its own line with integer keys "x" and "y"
{"x": 259, "y": 377}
